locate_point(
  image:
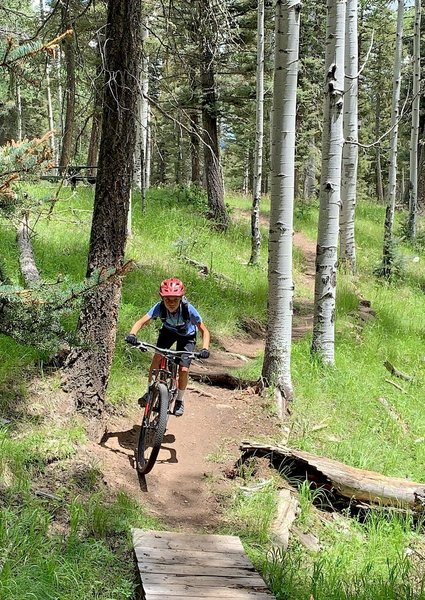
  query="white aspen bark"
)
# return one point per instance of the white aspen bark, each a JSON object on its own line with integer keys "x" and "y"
{"x": 50, "y": 113}
{"x": 414, "y": 136}
{"x": 148, "y": 151}
{"x": 392, "y": 170}
{"x": 129, "y": 231}
{"x": 245, "y": 186}
{"x": 323, "y": 343}
{"x": 142, "y": 122}
{"x": 259, "y": 135}
{"x": 277, "y": 356}
{"x": 19, "y": 107}
{"x": 350, "y": 149}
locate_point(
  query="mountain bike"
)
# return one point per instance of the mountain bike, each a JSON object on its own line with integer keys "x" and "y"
{"x": 160, "y": 398}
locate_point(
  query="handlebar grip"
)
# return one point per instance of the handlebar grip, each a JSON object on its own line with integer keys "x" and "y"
{"x": 132, "y": 339}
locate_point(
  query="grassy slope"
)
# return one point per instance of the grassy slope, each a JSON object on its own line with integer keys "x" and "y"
{"x": 345, "y": 398}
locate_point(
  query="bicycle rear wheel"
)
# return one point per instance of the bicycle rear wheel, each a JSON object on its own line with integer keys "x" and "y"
{"x": 153, "y": 428}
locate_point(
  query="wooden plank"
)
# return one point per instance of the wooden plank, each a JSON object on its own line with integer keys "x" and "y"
{"x": 214, "y": 595}
{"x": 195, "y": 570}
{"x": 189, "y": 538}
{"x": 187, "y": 542}
{"x": 181, "y": 591}
{"x": 193, "y": 557}
{"x": 254, "y": 582}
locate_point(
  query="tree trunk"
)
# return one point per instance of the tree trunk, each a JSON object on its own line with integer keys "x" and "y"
{"x": 142, "y": 122}
{"x": 93, "y": 150}
{"x": 213, "y": 174}
{"x": 421, "y": 172}
{"x": 277, "y": 355}
{"x": 378, "y": 167}
{"x": 28, "y": 267}
{"x": 87, "y": 367}
{"x": 350, "y": 150}
{"x": 258, "y": 156}
{"x": 19, "y": 108}
{"x": 50, "y": 115}
{"x": 323, "y": 343}
{"x": 309, "y": 187}
{"x": 414, "y": 137}
{"x": 147, "y": 170}
{"x": 194, "y": 148}
{"x": 69, "y": 53}
{"x": 387, "y": 253}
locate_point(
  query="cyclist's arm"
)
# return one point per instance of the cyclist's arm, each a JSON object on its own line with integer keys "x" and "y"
{"x": 140, "y": 323}
{"x": 205, "y": 336}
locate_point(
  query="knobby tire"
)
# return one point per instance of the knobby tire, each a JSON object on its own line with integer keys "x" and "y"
{"x": 153, "y": 429}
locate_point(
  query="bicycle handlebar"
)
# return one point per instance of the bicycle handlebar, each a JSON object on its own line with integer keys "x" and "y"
{"x": 144, "y": 347}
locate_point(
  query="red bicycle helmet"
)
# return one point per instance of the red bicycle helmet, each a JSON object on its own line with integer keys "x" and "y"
{"x": 171, "y": 287}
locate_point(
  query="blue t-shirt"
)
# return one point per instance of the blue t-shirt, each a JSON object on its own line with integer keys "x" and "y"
{"x": 175, "y": 321}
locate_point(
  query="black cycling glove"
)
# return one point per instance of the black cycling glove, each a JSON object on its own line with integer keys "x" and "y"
{"x": 131, "y": 339}
{"x": 204, "y": 353}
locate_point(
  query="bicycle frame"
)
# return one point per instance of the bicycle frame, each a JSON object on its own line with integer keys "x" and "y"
{"x": 167, "y": 373}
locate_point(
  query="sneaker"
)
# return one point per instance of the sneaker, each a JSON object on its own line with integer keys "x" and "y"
{"x": 179, "y": 408}
{"x": 143, "y": 400}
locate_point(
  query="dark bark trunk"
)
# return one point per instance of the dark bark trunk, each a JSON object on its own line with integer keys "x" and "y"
{"x": 214, "y": 178}
{"x": 87, "y": 367}
{"x": 161, "y": 175}
{"x": 179, "y": 160}
{"x": 194, "y": 148}
{"x": 69, "y": 54}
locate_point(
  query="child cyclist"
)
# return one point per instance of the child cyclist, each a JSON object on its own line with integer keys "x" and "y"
{"x": 180, "y": 322}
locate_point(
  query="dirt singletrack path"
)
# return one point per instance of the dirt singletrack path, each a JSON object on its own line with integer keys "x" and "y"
{"x": 200, "y": 449}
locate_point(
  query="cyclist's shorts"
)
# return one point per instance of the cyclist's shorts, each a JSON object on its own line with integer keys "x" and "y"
{"x": 167, "y": 338}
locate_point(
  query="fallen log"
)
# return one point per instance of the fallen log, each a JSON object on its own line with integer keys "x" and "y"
{"x": 26, "y": 257}
{"x": 340, "y": 480}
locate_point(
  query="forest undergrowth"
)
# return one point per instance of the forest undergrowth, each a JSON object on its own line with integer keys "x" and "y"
{"x": 76, "y": 543}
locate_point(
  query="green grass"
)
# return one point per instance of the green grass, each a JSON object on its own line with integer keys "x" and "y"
{"x": 92, "y": 561}
{"x": 358, "y": 560}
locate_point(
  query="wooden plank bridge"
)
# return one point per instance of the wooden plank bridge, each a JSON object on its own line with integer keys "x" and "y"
{"x": 183, "y": 566}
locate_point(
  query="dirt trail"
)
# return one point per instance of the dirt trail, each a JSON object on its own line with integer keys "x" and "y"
{"x": 200, "y": 448}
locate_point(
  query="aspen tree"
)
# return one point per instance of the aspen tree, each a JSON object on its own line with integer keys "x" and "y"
{"x": 387, "y": 254}
{"x": 414, "y": 137}
{"x": 323, "y": 343}
{"x": 259, "y": 133}
{"x": 277, "y": 356}
{"x": 350, "y": 149}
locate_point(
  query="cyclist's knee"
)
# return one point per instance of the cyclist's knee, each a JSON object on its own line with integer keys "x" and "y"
{"x": 183, "y": 369}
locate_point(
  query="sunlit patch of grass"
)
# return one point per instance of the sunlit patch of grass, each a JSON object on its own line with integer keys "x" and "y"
{"x": 250, "y": 514}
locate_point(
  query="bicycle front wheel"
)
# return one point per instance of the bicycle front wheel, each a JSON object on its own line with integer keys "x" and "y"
{"x": 153, "y": 428}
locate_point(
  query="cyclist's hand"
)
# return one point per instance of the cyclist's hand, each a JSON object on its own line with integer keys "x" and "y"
{"x": 131, "y": 339}
{"x": 204, "y": 353}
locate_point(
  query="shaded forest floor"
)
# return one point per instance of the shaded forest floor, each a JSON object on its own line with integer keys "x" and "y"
{"x": 188, "y": 486}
